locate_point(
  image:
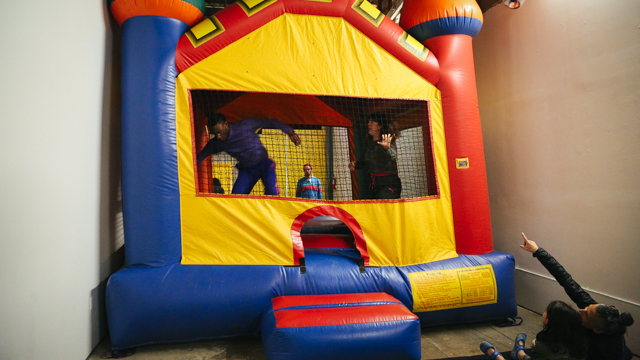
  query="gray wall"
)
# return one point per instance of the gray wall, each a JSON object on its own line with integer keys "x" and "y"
{"x": 559, "y": 94}
{"x": 59, "y": 155}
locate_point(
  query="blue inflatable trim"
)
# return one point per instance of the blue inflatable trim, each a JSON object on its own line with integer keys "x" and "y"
{"x": 179, "y": 303}
{"x": 460, "y": 25}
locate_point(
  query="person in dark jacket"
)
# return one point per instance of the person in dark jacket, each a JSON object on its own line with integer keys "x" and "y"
{"x": 604, "y": 326}
{"x": 380, "y": 158}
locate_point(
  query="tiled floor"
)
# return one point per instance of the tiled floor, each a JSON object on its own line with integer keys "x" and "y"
{"x": 437, "y": 342}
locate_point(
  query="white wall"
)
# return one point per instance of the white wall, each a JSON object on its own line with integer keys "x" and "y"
{"x": 59, "y": 162}
{"x": 559, "y": 95}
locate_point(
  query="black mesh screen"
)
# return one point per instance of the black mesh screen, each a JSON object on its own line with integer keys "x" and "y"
{"x": 333, "y": 131}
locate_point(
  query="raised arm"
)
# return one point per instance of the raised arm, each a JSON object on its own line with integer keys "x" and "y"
{"x": 256, "y": 124}
{"x": 393, "y": 152}
{"x": 209, "y": 149}
{"x": 571, "y": 287}
{"x": 389, "y": 145}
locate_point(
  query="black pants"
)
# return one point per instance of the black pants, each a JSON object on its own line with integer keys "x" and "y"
{"x": 385, "y": 187}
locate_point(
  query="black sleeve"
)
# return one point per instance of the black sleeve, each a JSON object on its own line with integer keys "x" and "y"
{"x": 572, "y": 288}
{"x": 209, "y": 149}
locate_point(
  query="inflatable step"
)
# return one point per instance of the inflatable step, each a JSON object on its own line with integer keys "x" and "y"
{"x": 344, "y": 326}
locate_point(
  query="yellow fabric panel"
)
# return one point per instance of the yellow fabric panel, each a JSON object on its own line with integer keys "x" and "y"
{"x": 302, "y": 54}
{"x": 440, "y": 150}
{"x": 258, "y": 231}
{"x": 232, "y": 231}
{"x": 282, "y": 57}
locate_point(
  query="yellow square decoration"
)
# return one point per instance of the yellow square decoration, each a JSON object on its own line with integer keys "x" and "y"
{"x": 251, "y": 7}
{"x": 368, "y": 11}
{"x": 462, "y": 163}
{"x": 252, "y": 3}
{"x": 205, "y": 27}
{"x": 414, "y": 46}
{"x": 206, "y": 30}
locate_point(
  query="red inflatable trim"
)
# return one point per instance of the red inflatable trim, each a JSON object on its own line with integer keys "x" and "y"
{"x": 282, "y": 302}
{"x": 342, "y": 316}
{"x": 344, "y": 216}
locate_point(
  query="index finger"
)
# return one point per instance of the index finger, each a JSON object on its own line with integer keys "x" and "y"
{"x": 525, "y": 237}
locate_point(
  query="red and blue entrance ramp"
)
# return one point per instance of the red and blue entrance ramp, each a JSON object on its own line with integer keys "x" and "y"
{"x": 367, "y": 326}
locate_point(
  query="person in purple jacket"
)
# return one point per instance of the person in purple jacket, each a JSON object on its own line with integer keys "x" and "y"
{"x": 240, "y": 140}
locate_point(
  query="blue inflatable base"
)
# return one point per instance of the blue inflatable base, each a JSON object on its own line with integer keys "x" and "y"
{"x": 180, "y": 303}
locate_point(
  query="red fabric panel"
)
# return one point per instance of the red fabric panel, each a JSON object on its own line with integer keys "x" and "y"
{"x": 204, "y": 179}
{"x": 463, "y": 132}
{"x": 281, "y": 302}
{"x": 342, "y": 316}
{"x": 355, "y": 192}
{"x": 311, "y": 241}
{"x": 287, "y": 108}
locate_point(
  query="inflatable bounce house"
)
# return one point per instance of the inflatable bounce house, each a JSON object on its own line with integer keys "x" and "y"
{"x": 349, "y": 274}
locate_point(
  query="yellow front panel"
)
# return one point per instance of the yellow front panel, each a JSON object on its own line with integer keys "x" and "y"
{"x": 293, "y": 54}
{"x": 302, "y": 54}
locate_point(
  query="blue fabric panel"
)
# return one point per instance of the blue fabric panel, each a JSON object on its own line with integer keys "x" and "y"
{"x": 178, "y": 303}
{"x": 150, "y": 196}
{"x": 504, "y": 270}
{"x": 336, "y": 271}
{"x": 371, "y": 341}
{"x": 461, "y": 25}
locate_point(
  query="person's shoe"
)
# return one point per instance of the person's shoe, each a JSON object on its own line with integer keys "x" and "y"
{"x": 517, "y": 347}
{"x": 485, "y": 346}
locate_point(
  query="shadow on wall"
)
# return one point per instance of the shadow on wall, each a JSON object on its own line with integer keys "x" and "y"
{"x": 111, "y": 247}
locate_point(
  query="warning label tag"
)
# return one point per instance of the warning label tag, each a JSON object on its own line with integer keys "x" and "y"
{"x": 453, "y": 288}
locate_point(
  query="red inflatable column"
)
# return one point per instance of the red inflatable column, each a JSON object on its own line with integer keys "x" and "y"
{"x": 465, "y": 151}
{"x": 449, "y": 38}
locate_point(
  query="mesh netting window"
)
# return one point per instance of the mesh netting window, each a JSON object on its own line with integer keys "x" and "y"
{"x": 334, "y": 132}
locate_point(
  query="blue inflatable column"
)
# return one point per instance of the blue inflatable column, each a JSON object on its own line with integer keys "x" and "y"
{"x": 150, "y": 196}
{"x": 150, "y": 191}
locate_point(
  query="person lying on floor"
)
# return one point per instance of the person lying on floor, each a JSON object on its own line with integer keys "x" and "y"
{"x": 604, "y": 326}
{"x": 561, "y": 337}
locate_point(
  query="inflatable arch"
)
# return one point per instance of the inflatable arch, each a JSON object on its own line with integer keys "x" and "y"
{"x": 201, "y": 265}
